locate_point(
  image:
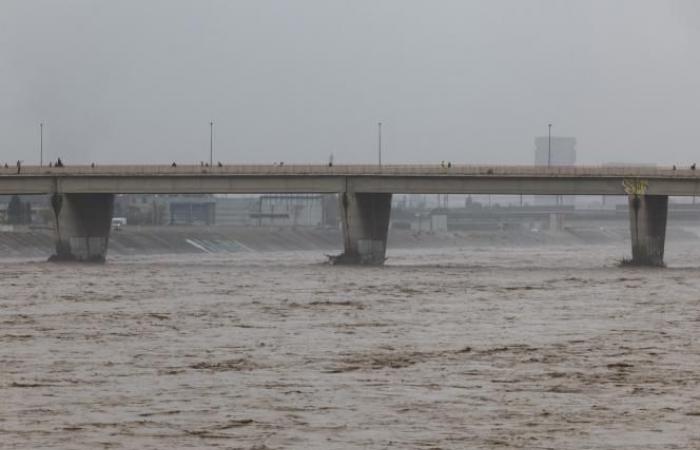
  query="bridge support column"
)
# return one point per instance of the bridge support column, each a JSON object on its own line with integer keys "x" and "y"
{"x": 648, "y": 215}
{"x": 82, "y": 226}
{"x": 365, "y": 220}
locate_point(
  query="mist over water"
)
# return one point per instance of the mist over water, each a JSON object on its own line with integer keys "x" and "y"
{"x": 512, "y": 347}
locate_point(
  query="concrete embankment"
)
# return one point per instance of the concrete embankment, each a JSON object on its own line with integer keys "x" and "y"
{"x": 25, "y": 242}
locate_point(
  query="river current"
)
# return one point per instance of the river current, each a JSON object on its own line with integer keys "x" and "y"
{"x": 522, "y": 347}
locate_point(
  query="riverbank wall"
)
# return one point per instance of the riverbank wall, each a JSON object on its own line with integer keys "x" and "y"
{"x": 136, "y": 240}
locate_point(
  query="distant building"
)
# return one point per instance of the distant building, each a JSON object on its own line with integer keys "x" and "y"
{"x": 196, "y": 209}
{"x": 192, "y": 210}
{"x": 288, "y": 210}
{"x": 141, "y": 209}
{"x": 38, "y": 209}
{"x": 235, "y": 210}
{"x": 562, "y": 153}
{"x": 150, "y": 209}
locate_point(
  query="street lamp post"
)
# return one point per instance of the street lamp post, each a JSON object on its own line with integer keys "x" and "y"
{"x": 379, "y": 143}
{"x": 549, "y": 146}
{"x": 549, "y": 154}
{"x": 41, "y": 144}
{"x": 211, "y": 144}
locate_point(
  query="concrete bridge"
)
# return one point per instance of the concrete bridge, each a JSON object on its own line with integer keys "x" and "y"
{"x": 83, "y": 196}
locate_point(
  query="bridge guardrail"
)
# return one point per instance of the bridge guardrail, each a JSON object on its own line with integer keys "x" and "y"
{"x": 356, "y": 170}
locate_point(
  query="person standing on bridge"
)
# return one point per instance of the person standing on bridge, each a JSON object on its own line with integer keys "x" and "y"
{"x": 19, "y": 166}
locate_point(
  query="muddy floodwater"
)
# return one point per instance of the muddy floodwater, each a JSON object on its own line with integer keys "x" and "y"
{"x": 551, "y": 347}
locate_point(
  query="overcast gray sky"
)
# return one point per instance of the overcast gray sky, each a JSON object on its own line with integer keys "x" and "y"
{"x": 467, "y": 81}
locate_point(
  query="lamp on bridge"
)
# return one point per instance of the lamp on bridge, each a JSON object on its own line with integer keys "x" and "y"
{"x": 379, "y": 143}
{"x": 211, "y": 144}
{"x": 41, "y": 144}
{"x": 549, "y": 145}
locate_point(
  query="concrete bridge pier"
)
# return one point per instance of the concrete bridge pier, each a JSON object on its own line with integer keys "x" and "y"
{"x": 365, "y": 221}
{"x": 648, "y": 215}
{"x": 82, "y": 226}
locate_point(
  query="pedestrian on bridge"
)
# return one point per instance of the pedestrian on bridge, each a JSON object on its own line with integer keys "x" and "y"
{"x": 19, "y": 166}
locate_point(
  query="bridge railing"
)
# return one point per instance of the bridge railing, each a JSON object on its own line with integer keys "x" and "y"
{"x": 354, "y": 169}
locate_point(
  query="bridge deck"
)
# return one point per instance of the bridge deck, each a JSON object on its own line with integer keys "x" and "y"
{"x": 467, "y": 179}
{"x": 357, "y": 169}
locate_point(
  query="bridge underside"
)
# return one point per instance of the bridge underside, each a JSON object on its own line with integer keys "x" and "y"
{"x": 83, "y": 223}
{"x": 365, "y": 220}
{"x": 84, "y": 195}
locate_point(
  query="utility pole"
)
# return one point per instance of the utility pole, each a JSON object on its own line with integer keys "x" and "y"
{"x": 379, "y": 144}
{"x": 211, "y": 144}
{"x": 41, "y": 144}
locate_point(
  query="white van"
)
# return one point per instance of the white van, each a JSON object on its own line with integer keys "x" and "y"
{"x": 117, "y": 222}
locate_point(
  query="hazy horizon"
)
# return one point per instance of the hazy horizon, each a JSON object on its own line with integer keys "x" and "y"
{"x": 470, "y": 82}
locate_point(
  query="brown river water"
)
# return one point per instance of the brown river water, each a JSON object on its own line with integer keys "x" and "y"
{"x": 552, "y": 347}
